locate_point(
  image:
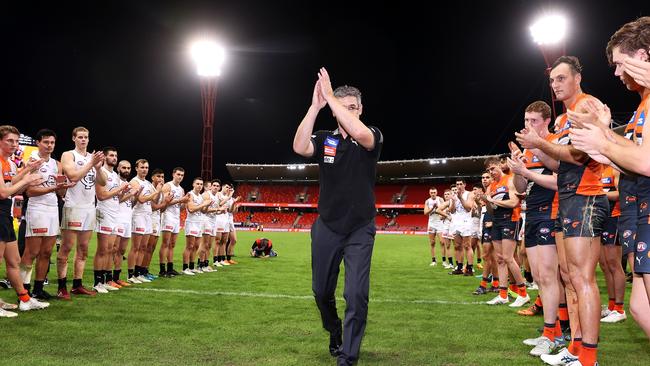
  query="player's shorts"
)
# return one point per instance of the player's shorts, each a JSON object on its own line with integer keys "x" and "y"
{"x": 583, "y": 216}
{"x": 194, "y": 228}
{"x": 42, "y": 221}
{"x": 7, "y": 232}
{"x": 627, "y": 226}
{"x": 462, "y": 227}
{"x": 435, "y": 227}
{"x": 231, "y": 225}
{"x": 221, "y": 224}
{"x": 504, "y": 230}
{"x": 609, "y": 235}
{"x": 209, "y": 226}
{"x": 106, "y": 223}
{"x": 486, "y": 235}
{"x": 79, "y": 219}
{"x": 476, "y": 226}
{"x": 539, "y": 232}
{"x": 170, "y": 223}
{"x": 155, "y": 223}
{"x": 142, "y": 224}
{"x": 124, "y": 229}
{"x": 642, "y": 250}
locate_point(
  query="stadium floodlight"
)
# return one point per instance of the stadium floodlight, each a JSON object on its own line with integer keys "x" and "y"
{"x": 549, "y": 32}
{"x": 549, "y": 29}
{"x": 209, "y": 57}
{"x": 444, "y": 161}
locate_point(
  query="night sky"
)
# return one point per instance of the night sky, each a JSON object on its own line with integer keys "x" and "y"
{"x": 437, "y": 82}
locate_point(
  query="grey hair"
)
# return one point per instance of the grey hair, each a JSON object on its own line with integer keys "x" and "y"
{"x": 348, "y": 91}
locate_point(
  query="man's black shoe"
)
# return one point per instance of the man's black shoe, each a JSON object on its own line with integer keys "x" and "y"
{"x": 335, "y": 343}
{"x": 41, "y": 295}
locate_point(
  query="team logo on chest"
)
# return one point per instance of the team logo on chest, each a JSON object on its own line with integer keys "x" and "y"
{"x": 329, "y": 149}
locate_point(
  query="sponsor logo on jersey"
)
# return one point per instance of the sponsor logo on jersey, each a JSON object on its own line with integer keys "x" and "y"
{"x": 74, "y": 224}
{"x": 39, "y": 230}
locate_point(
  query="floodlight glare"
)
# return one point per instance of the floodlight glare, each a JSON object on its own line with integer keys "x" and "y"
{"x": 208, "y": 57}
{"x": 549, "y": 29}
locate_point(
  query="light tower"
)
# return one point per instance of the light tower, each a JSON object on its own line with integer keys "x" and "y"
{"x": 208, "y": 57}
{"x": 549, "y": 33}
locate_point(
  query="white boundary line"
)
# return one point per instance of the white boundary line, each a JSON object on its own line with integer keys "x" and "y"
{"x": 299, "y": 297}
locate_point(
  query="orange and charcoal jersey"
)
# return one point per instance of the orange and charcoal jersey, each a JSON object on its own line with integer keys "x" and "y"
{"x": 572, "y": 179}
{"x": 499, "y": 191}
{"x": 609, "y": 185}
{"x": 8, "y": 172}
{"x": 540, "y": 202}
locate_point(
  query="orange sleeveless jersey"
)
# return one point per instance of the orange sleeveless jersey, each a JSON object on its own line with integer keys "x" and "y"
{"x": 577, "y": 179}
{"x": 499, "y": 189}
{"x": 540, "y": 199}
{"x": 609, "y": 185}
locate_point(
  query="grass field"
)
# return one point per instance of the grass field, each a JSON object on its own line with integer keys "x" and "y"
{"x": 261, "y": 312}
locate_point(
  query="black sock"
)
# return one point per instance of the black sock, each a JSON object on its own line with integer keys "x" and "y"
{"x": 459, "y": 266}
{"x": 228, "y": 257}
{"x": 27, "y": 287}
{"x": 478, "y": 260}
{"x": 38, "y": 285}
{"x": 63, "y": 283}
{"x": 108, "y": 276}
{"x": 116, "y": 274}
{"x": 451, "y": 261}
{"x": 528, "y": 276}
{"x": 433, "y": 259}
{"x": 170, "y": 266}
{"x": 76, "y": 283}
{"x": 191, "y": 265}
{"x": 444, "y": 259}
{"x": 184, "y": 266}
{"x": 199, "y": 263}
{"x": 130, "y": 273}
{"x": 469, "y": 267}
{"x": 98, "y": 275}
{"x": 215, "y": 259}
{"x": 162, "y": 267}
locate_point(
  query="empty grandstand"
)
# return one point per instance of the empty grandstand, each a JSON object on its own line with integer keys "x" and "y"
{"x": 284, "y": 197}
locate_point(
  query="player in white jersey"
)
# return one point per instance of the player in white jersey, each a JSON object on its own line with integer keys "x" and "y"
{"x": 42, "y": 214}
{"x": 142, "y": 223}
{"x": 14, "y": 182}
{"x": 124, "y": 223}
{"x": 222, "y": 227}
{"x": 231, "y": 237}
{"x": 209, "y": 229}
{"x": 157, "y": 206}
{"x": 461, "y": 228}
{"x": 476, "y": 226}
{"x": 108, "y": 210}
{"x": 79, "y": 214}
{"x": 171, "y": 220}
{"x": 446, "y": 237}
{"x": 194, "y": 226}
{"x": 435, "y": 226}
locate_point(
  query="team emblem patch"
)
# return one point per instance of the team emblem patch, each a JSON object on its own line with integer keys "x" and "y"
{"x": 329, "y": 149}
{"x": 544, "y": 230}
{"x": 641, "y": 247}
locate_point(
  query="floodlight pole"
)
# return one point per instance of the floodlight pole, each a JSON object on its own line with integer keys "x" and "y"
{"x": 208, "y": 99}
{"x": 552, "y": 53}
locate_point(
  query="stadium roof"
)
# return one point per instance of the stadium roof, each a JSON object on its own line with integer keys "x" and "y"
{"x": 396, "y": 171}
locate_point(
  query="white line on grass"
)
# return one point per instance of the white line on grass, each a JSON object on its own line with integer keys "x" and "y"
{"x": 298, "y": 297}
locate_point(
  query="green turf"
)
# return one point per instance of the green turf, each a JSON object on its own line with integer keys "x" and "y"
{"x": 237, "y": 316}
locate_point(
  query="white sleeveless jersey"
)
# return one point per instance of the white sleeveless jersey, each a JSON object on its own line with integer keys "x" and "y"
{"x": 229, "y": 204}
{"x": 195, "y": 216}
{"x": 82, "y": 195}
{"x": 433, "y": 205}
{"x": 224, "y": 215}
{"x": 126, "y": 207}
{"x": 143, "y": 208}
{"x": 461, "y": 212}
{"x": 178, "y": 193}
{"x": 213, "y": 205}
{"x": 111, "y": 205}
{"x": 48, "y": 170}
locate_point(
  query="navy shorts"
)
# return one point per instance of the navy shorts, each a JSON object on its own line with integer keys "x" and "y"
{"x": 486, "y": 235}
{"x": 610, "y": 231}
{"x": 7, "y": 232}
{"x": 627, "y": 233}
{"x": 642, "y": 250}
{"x": 505, "y": 229}
{"x": 539, "y": 231}
{"x": 583, "y": 216}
